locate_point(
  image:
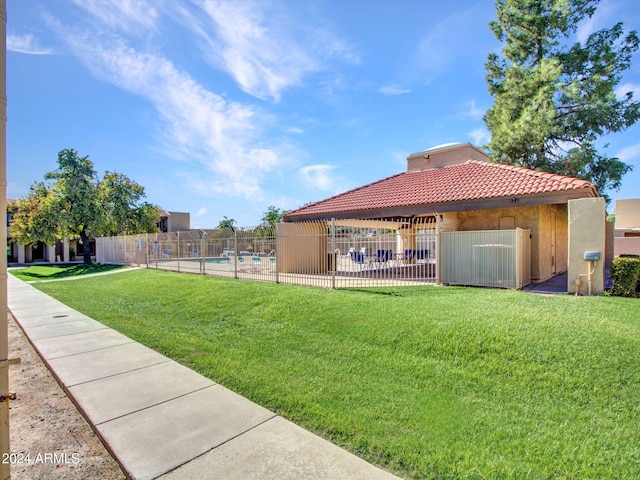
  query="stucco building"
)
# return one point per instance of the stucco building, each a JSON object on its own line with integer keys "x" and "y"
{"x": 627, "y": 227}
{"x": 468, "y": 192}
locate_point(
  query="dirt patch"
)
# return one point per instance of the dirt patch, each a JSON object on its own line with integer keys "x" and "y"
{"x": 49, "y": 437}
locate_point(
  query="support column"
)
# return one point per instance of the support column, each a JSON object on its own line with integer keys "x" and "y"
{"x": 51, "y": 253}
{"x": 21, "y": 258}
{"x": 5, "y": 471}
{"x": 586, "y": 234}
{"x": 65, "y": 250}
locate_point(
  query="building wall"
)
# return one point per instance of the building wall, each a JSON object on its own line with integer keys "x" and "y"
{"x": 586, "y": 232}
{"x": 444, "y": 157}
{"x": 626, "y": 246}
{"x": 628, "y": 213}
{"x": 178, "y": 222}
{"x": 549, "y": 247}
{"x": 610, "y": 244}
{"x": 302, "y": 247}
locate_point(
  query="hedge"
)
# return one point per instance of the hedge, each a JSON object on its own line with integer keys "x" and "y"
{"x": 625, "y": 275}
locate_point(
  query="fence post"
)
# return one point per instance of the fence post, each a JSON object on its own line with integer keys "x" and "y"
{"x": 235, "y": 252}
{"x": 178, "y": 251}
{"x": 203, "y": 244}
{"x": 517, "y": 259}
{"x": 333, "y": 254}
{"x": 438, "y": 249}
{"x": 275, "y": 251}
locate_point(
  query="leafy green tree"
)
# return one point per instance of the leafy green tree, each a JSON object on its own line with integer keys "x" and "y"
{"x": 72, "y": 202}
{"x": 272, "y": 216}
{"x": 553, "y": 98}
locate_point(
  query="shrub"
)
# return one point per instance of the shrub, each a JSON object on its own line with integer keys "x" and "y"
{"x": 625, "y": 274}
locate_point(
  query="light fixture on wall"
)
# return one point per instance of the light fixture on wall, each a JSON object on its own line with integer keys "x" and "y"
{"x": 514, "y": 200}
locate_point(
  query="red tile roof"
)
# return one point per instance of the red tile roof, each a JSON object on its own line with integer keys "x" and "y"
{"x": 472, "y": 180}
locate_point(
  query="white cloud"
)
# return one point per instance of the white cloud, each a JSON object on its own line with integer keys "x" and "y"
{"x": 26, "y": 44}
{"x": 586, "y": 29}
{"x": 197, "y": 124}
{"x": 480, "y": 136}
{"x": 473, "y": 111}
{"x": 393, "y": 90}
{"x": 261, "y": 46}
{"x": 318, "y": 176}
{"x": 629, "y": 153}
{"x": 622, "y": 90}
{"x": 126, "y": 15}
{"x": 400, "y": 157}
{"x": 444, "y": 44}
{"x": 201, "y": 212}
{"x": 599, "y": 19}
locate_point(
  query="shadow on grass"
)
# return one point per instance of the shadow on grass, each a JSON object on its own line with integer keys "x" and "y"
{"x": 56, "y": 272}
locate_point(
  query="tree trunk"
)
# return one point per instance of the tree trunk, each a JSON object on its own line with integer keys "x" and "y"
{"x": 86, "y": 250}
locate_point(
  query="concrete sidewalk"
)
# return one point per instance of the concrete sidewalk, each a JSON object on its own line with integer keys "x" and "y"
{"x": 162, "y": 420}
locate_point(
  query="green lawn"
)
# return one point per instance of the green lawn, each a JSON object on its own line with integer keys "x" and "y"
{"x": 428, "y": 382}
{"x": 52, "y": 272}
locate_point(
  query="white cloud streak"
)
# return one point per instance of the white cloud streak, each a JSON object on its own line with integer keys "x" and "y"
{"x": 261, "y": 47}
{"x": 26, "y": 44}
{"x": 629, "y": 153}
{"x": 473, "y": 111}
{"x": 257, "y": 43}
{"x": 197, "y": 124}
{"x": 318, "y": 176}
{"x": 480, "y": 136}
{"x": 124, "y": 15}
{"x": 393, "y": 90}
{"x": 622, "y": 90}
{"x": 599, "y": 19}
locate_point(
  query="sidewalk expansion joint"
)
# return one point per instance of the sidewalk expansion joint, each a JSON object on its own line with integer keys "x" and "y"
{"x": 168, "y": 360}
{"x": 275, "y": 415}
{"x": 97, "y": 349}
{"x": 154, "y": 405}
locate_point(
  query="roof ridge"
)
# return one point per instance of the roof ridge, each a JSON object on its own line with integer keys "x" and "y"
{"x": 534, "y": 173}
{"x": 344, "y": 193}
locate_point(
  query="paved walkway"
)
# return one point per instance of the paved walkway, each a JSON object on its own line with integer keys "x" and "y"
{"x": 162, "y": 420}
{"x": 557, "y": 284}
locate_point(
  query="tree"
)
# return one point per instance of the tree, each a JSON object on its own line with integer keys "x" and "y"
{"x": 227, "y": 223}
{"x": 73, "y": 203}
{"x": 272, "y": 216}
{"x": 552, "y": 99}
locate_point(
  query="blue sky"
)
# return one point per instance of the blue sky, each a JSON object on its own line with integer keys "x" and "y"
{"x": 223, "y": 108}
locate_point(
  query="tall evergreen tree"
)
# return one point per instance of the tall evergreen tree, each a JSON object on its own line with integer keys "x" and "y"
{"x": 555, "y": 97}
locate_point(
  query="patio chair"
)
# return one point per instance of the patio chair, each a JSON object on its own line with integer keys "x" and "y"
{"x": 384, "y": 255}
{"x": 357, "y": 257}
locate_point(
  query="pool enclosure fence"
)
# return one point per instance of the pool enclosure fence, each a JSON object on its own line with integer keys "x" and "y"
{"x": 336, "y": 253}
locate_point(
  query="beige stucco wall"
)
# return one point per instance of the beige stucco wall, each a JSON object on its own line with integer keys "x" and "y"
{"x": 547, "y": 258}
{"x": 446, "y": 156}
{"x": 178, "y": 222}
{"x": 609, "y": 244}
{"x": 302, "y": 247}
{"x": 628, "y": 246}
{"x": 586, "y": 232}
{"x": 628, "y": 213}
